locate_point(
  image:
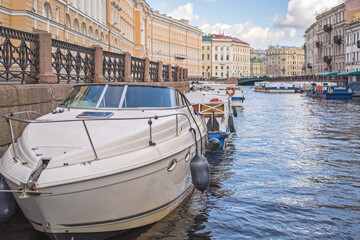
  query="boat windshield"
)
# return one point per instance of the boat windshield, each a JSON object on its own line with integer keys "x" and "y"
{"x": 124, "y": 96}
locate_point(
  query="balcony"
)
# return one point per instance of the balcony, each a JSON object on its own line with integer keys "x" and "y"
{"x": 309, "y": 65}
{"x": 318, "y": 44}
{"x": 327, "y": 59}
{"x": 337, "y": 39}
{"x": 327, "y": 28}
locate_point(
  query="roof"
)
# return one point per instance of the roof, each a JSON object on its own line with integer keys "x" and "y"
{"x": 216, "y": 36}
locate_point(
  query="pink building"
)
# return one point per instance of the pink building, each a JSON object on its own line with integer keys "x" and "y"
{"x": 331, "y": 36}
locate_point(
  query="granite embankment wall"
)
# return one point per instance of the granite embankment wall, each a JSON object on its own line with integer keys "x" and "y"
{"x": 42, "y": 98}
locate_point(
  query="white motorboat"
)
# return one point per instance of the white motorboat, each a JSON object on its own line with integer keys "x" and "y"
{"x": 216, "y": 110}
{"x": 235, "y": 92}
{"x": 110, "y": 158}
{"x": 274, "y": 87}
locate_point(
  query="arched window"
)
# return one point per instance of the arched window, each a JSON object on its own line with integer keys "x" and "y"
{"x": 47, "y": 11}
{"x": 116, "y": 43}
{"x": 76, "y": 25}
{"x": 90, "y": 32}
{"x": 83, "y": 28}
{"x": 96, "y": 34}
{"x": 106, "y": 39}
{"x": 68, "y": 21}
{"x": 101, "y": 37}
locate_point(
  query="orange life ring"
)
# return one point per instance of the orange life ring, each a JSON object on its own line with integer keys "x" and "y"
{"x": 215, "y": 100}
{"x": 230, "y": 93}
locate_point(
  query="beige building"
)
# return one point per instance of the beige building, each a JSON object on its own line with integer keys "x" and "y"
{"x": 116, "y": 25}
{"x": 284, "y": 61}
{"x": 256, "y": 67}
{"x": 310, "y": 49}
{"x": 225, "y": 56}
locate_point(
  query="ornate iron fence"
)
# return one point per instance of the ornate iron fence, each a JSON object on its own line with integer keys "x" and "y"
{"x": 114, "y": 67}
{"x": 19, "y": 55}
{"x": 174, "y": 74}
{"x": 137, "y": 69}
{"x": 154, "y": 71}
{"x": 165, "y": 73}
{"x": 72, "y": 62}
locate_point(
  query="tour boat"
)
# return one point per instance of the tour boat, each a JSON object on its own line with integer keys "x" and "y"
{"x": 235, "y": 92}
{"x": 111, "y": 157}
{"x": 274, "y": 87}
{"x": 330, "y": 91}
{"x": 216, "y": 109}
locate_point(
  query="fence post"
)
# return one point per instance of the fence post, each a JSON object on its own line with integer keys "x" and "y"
{"x": 160, "y": 70}
{"x": 147, "y": 70}
{"x": 127, "y": 67}
{"x": 170, "y": 73}
{"x": 46, "y": 74}
{"x": 98, "y": 64}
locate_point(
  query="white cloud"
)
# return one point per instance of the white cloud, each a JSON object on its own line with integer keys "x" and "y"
{"x": 256, "y": 36}
{"x": 302, "y": 13}
{"x": 184, "y": 12}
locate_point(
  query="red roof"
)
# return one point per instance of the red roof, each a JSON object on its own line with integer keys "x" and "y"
{"x": 228, "y": 37}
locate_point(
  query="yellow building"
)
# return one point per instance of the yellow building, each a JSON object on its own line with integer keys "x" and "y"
{"x": 229, "y": 57}
{"x": 116, "y": 25}
{"x": 284, "y": 61}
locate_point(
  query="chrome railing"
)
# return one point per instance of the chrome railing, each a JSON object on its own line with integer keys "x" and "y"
{"x": 11, "y": 117}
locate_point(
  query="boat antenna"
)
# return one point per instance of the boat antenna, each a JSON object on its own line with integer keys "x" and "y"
{"x": 197, "y": 126}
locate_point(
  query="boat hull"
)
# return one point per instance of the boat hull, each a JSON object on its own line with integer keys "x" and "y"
{"x": 270, "y": 90}
{"x": 111, "y": 203}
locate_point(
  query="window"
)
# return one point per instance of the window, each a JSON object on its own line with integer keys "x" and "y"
{"x": 96, "y": 34}
{"x": 35, "y": 5}
{"x": 76, "y": 25}
{"x": 47, "y": 11}
{"x": 90, "y": 32}
{"x": 68, "y": 21}
{"x": 208, "y": 57}
{"x": 216, "y": 56}
{"x": 83, "y": 28}
{"x": 57, "y": 14}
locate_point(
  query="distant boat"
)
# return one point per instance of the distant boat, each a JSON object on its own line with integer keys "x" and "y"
{"x": 235, "y": 92}
{"x": 216, "y": 109}
{"x": 274, "y": 87}
{"x": 329, "y": 91}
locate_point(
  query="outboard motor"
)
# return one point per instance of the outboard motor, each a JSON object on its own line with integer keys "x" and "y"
{"x": 200, "y": 175}
{"x": 213, "y": 145}
{"x": 7, "y": 202}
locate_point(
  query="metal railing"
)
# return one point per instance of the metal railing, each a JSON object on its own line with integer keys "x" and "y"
{"x": 19, "y": 55}
{"x": 165, "y": 73}
{"x": 154, "y": 71}
{"x": 72, "y": 63}
{"x": 174, "y": 74}
{"x": 114, "y": 67}
{"x": 137, "y": 69}
{"x": 11, "y": 117}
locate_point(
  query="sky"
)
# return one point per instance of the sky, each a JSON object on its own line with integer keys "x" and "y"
{"x": 258, "y": 22}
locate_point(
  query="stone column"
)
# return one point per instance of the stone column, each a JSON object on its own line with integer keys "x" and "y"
{"x": 46, "y": 74}
{"x": 127, "y": 62}
{"x": 147, "y": 70}
{"x": 170, "y": 73}
{"x": 98, "y": 64}
{"x": 160, "y": 70}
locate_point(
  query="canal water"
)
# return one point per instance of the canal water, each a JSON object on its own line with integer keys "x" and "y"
{"x": 292, "y": 171}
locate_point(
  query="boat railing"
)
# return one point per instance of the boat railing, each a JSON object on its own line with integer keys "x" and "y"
{"x": 27, "y": 119}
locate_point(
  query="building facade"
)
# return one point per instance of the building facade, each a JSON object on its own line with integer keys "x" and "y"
{"x": 228, "y": 57}
{"x": 352, "y": 32}
{"x": 284, "y": 61}
{"x": 310, "y": 50}
{"x": 116, "y": 25}
{"x": 330, "y": 44}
